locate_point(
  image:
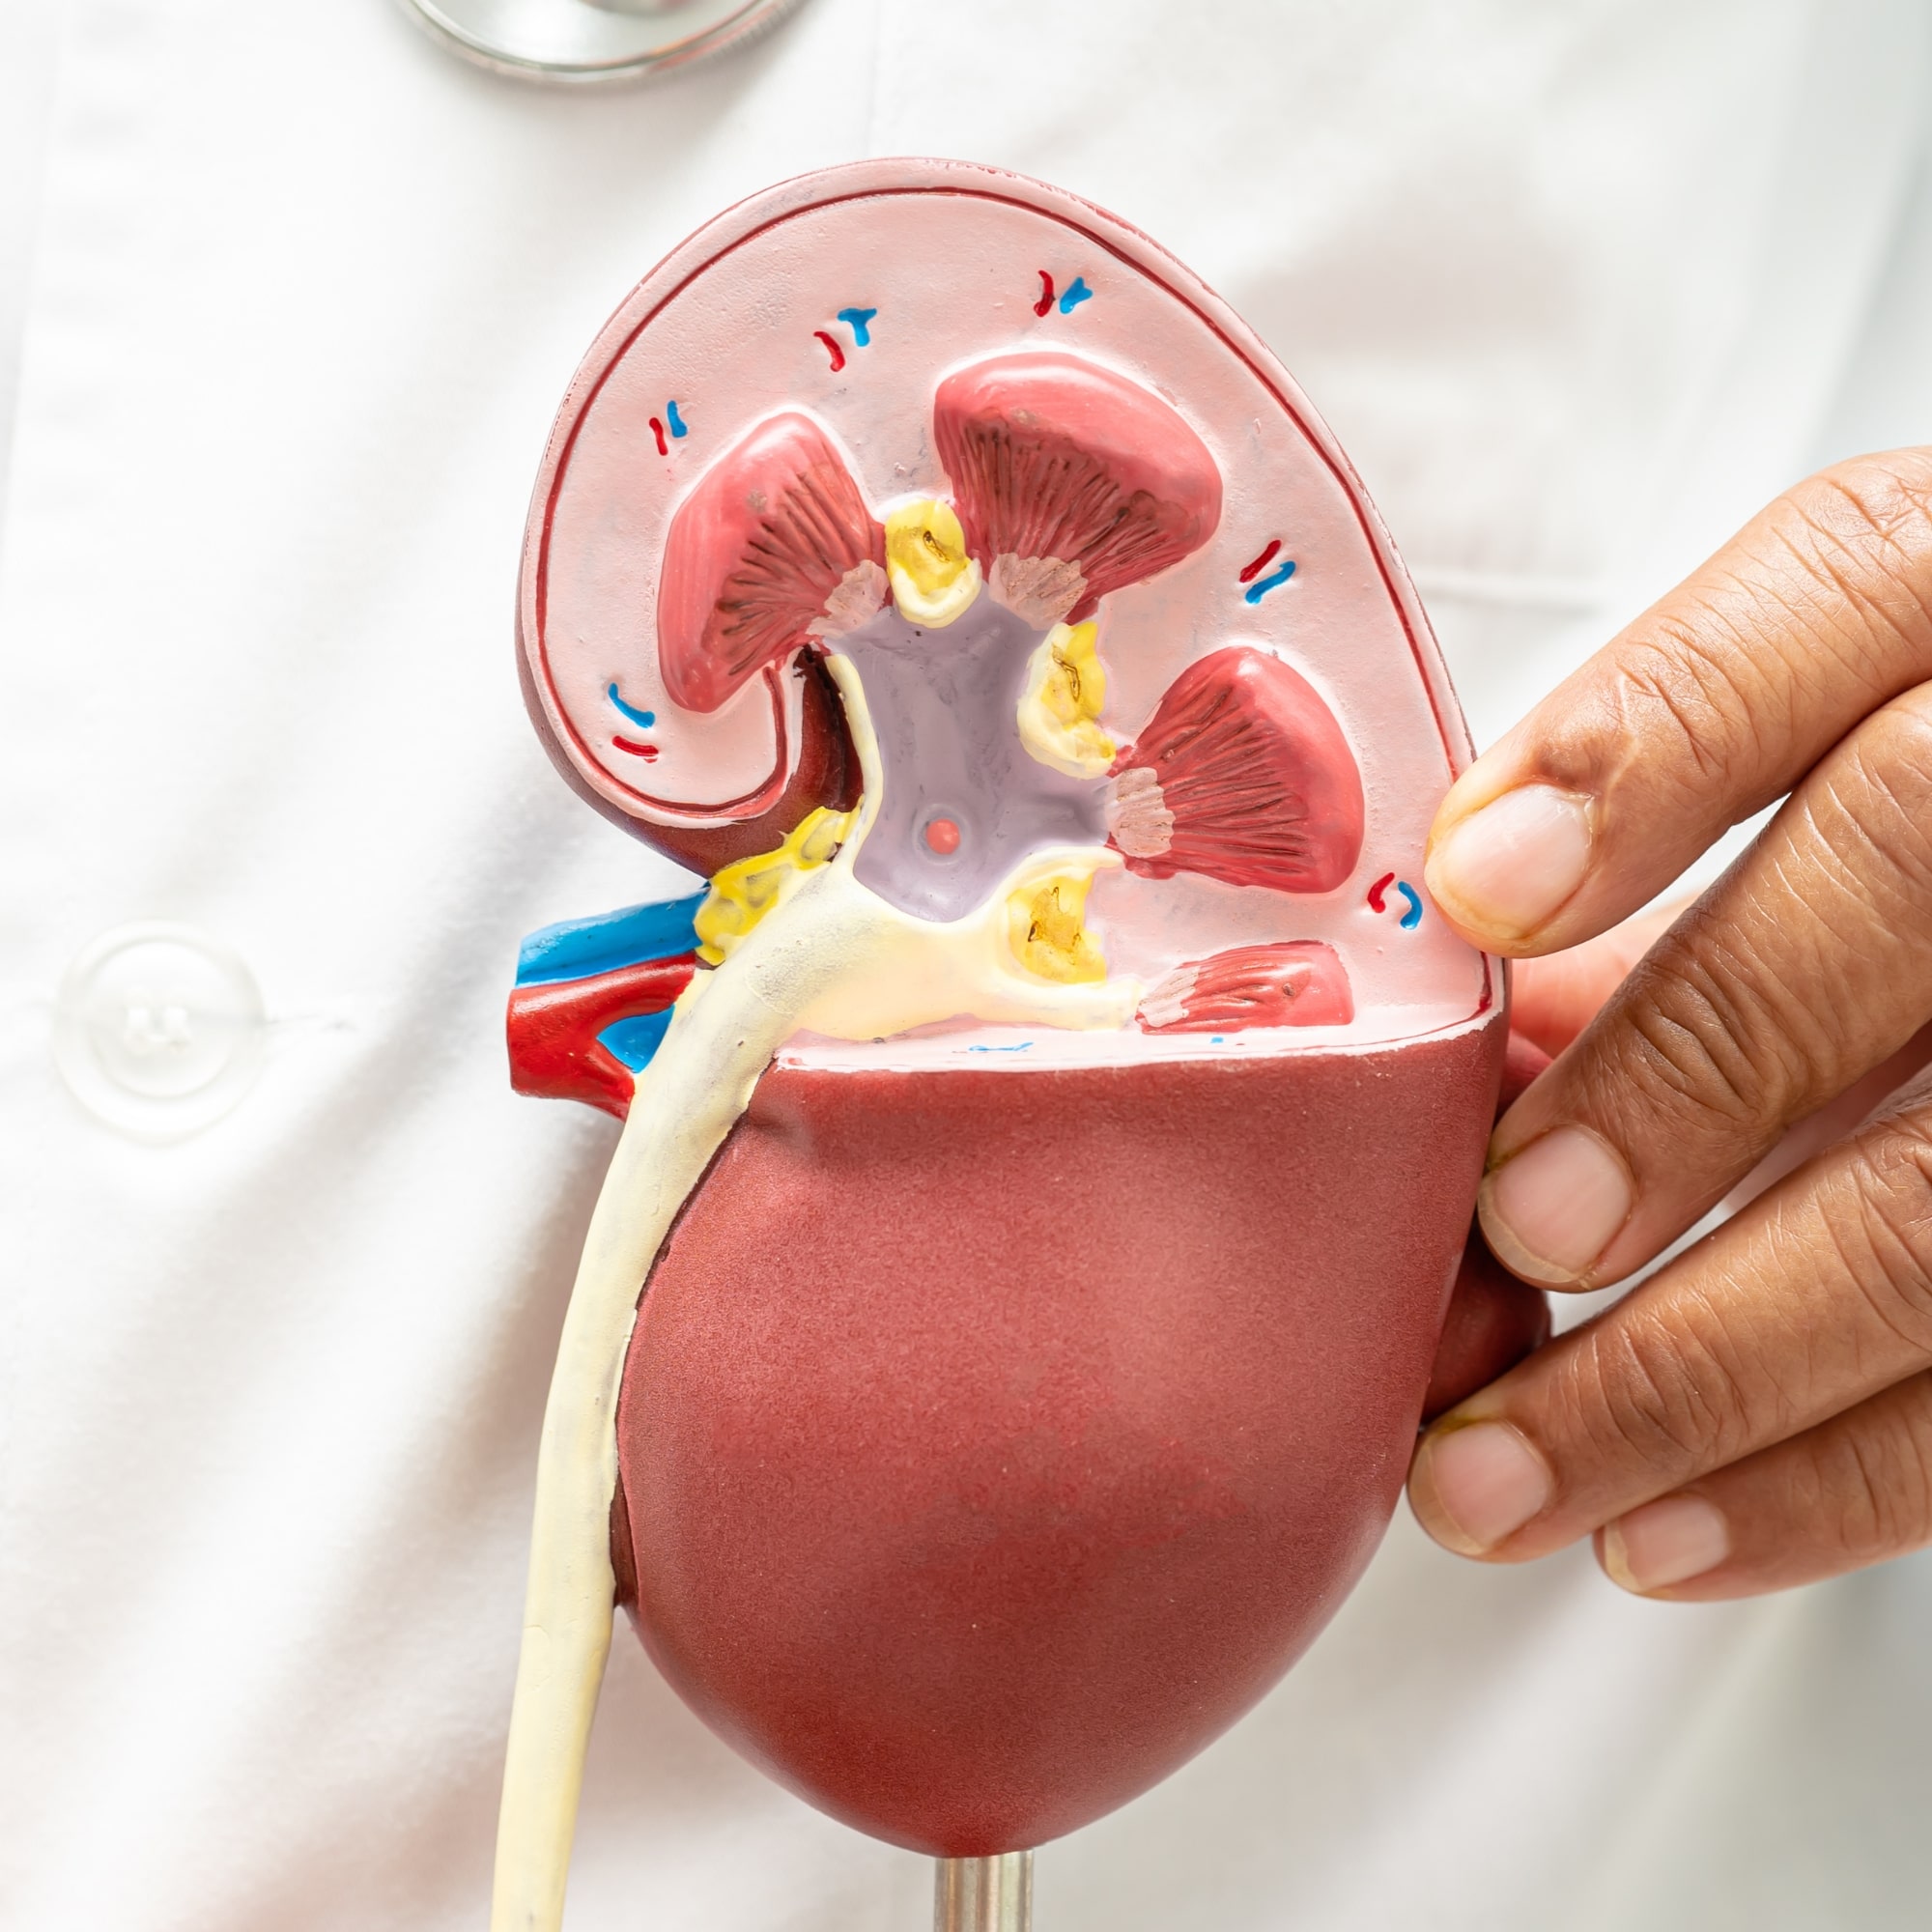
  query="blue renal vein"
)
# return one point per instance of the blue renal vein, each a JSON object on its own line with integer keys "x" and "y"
{"x": 644, "y": 718}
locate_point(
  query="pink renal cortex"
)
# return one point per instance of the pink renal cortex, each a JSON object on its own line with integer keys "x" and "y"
{"x": 836, "y": 449}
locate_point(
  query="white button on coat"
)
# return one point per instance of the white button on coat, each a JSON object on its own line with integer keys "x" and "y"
{"x": 159, "y": 1029}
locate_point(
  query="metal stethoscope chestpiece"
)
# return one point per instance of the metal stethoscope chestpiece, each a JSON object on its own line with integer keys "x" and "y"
{"x": 594, "y": 40}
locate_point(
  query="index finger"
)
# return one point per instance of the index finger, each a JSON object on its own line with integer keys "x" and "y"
{"x": 1714, "y": 702}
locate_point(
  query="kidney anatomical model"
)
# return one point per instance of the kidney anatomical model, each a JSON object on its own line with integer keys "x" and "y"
{"x": 1052, "y": 1123}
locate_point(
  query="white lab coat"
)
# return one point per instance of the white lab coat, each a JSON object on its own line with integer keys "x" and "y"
{"x": 294, "y": 298}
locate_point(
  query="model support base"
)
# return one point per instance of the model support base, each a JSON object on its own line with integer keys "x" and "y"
{"x": 983, "y": 1894}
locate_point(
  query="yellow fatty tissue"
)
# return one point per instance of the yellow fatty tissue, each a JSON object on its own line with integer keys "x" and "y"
{"x": 1044, "y": 928}
{"x": 743, "y": 893}
{"x": 933, "y": 580}
{"x": 1065, "y": 692}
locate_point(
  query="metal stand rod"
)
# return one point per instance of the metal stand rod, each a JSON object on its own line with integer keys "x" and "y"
{"x": 983, "y": 1894}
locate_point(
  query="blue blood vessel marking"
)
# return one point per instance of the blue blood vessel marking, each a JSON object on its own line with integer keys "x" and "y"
{"x": 1255, "y": 592}
{"x": 644, "y": 718}
{"x": 859, "y": 318}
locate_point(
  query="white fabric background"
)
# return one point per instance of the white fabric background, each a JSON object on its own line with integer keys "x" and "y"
{"x": 1577, "y": 286}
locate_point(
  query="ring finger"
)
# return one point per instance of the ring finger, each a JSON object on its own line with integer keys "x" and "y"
{"x": 1701, "y": 1366}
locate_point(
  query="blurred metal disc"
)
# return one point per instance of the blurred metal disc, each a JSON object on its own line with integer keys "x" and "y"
{"x": 594, "y": 40}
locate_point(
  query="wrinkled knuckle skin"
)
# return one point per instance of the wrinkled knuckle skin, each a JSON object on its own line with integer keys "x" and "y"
{"x": 1655, "y": 1391}
{"x": 1873, "y": 1484}
{"x": 1887, "y": 795}
{"x": 1887, "y": 1249}
{"x": 1886, "y": 497}
{"x": 1657, "y": 724}
{"x": 1697, "y": 1049}
{"x": 1835, "y": 579}
{"x": 1689, "y": 705}
{"x": 1862, "y": 530}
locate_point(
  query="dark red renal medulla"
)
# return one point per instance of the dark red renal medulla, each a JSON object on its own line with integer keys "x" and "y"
{"x": 1053, "y": 1110}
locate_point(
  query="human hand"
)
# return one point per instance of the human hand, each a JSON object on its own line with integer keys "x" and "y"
{"x": 1759, "y": 1412}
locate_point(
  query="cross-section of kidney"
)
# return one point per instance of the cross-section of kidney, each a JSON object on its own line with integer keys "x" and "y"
{"x": 1053, "y": 1109}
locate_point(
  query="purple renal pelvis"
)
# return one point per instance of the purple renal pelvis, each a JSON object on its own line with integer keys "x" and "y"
{"x": 945, "y": 708}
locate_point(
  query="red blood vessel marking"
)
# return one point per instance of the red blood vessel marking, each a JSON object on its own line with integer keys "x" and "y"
{"x": 635, "y": 750}
{"x": 1261, "y": 563}
{"x": 554, "y": 1053}
{"x": 1377, "y": 901}
{"x": 752, "y": 555}
{"x": 1051, "y": 456}
{"x": 830, "y": 342}
{"x": 1299, "y": 982}
{"x": 1045, "y": 300}
{"x": 658, "y": 431}
{"x": 1262, "y": 784}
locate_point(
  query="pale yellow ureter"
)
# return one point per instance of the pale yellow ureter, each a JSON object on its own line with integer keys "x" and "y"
{"x": 816, "y": 954}
{"x": 685, "y": 1105}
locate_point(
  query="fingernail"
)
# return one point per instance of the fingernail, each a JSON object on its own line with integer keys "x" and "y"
{"x": 1665, "y": 1543}
{"x": 1507, "y": 867}
{"x": 1550, "y": 1210}
{"x": 1473, "y": 1486}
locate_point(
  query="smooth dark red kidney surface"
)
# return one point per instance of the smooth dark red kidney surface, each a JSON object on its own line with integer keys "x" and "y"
{"x": 991, "y": 1440}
